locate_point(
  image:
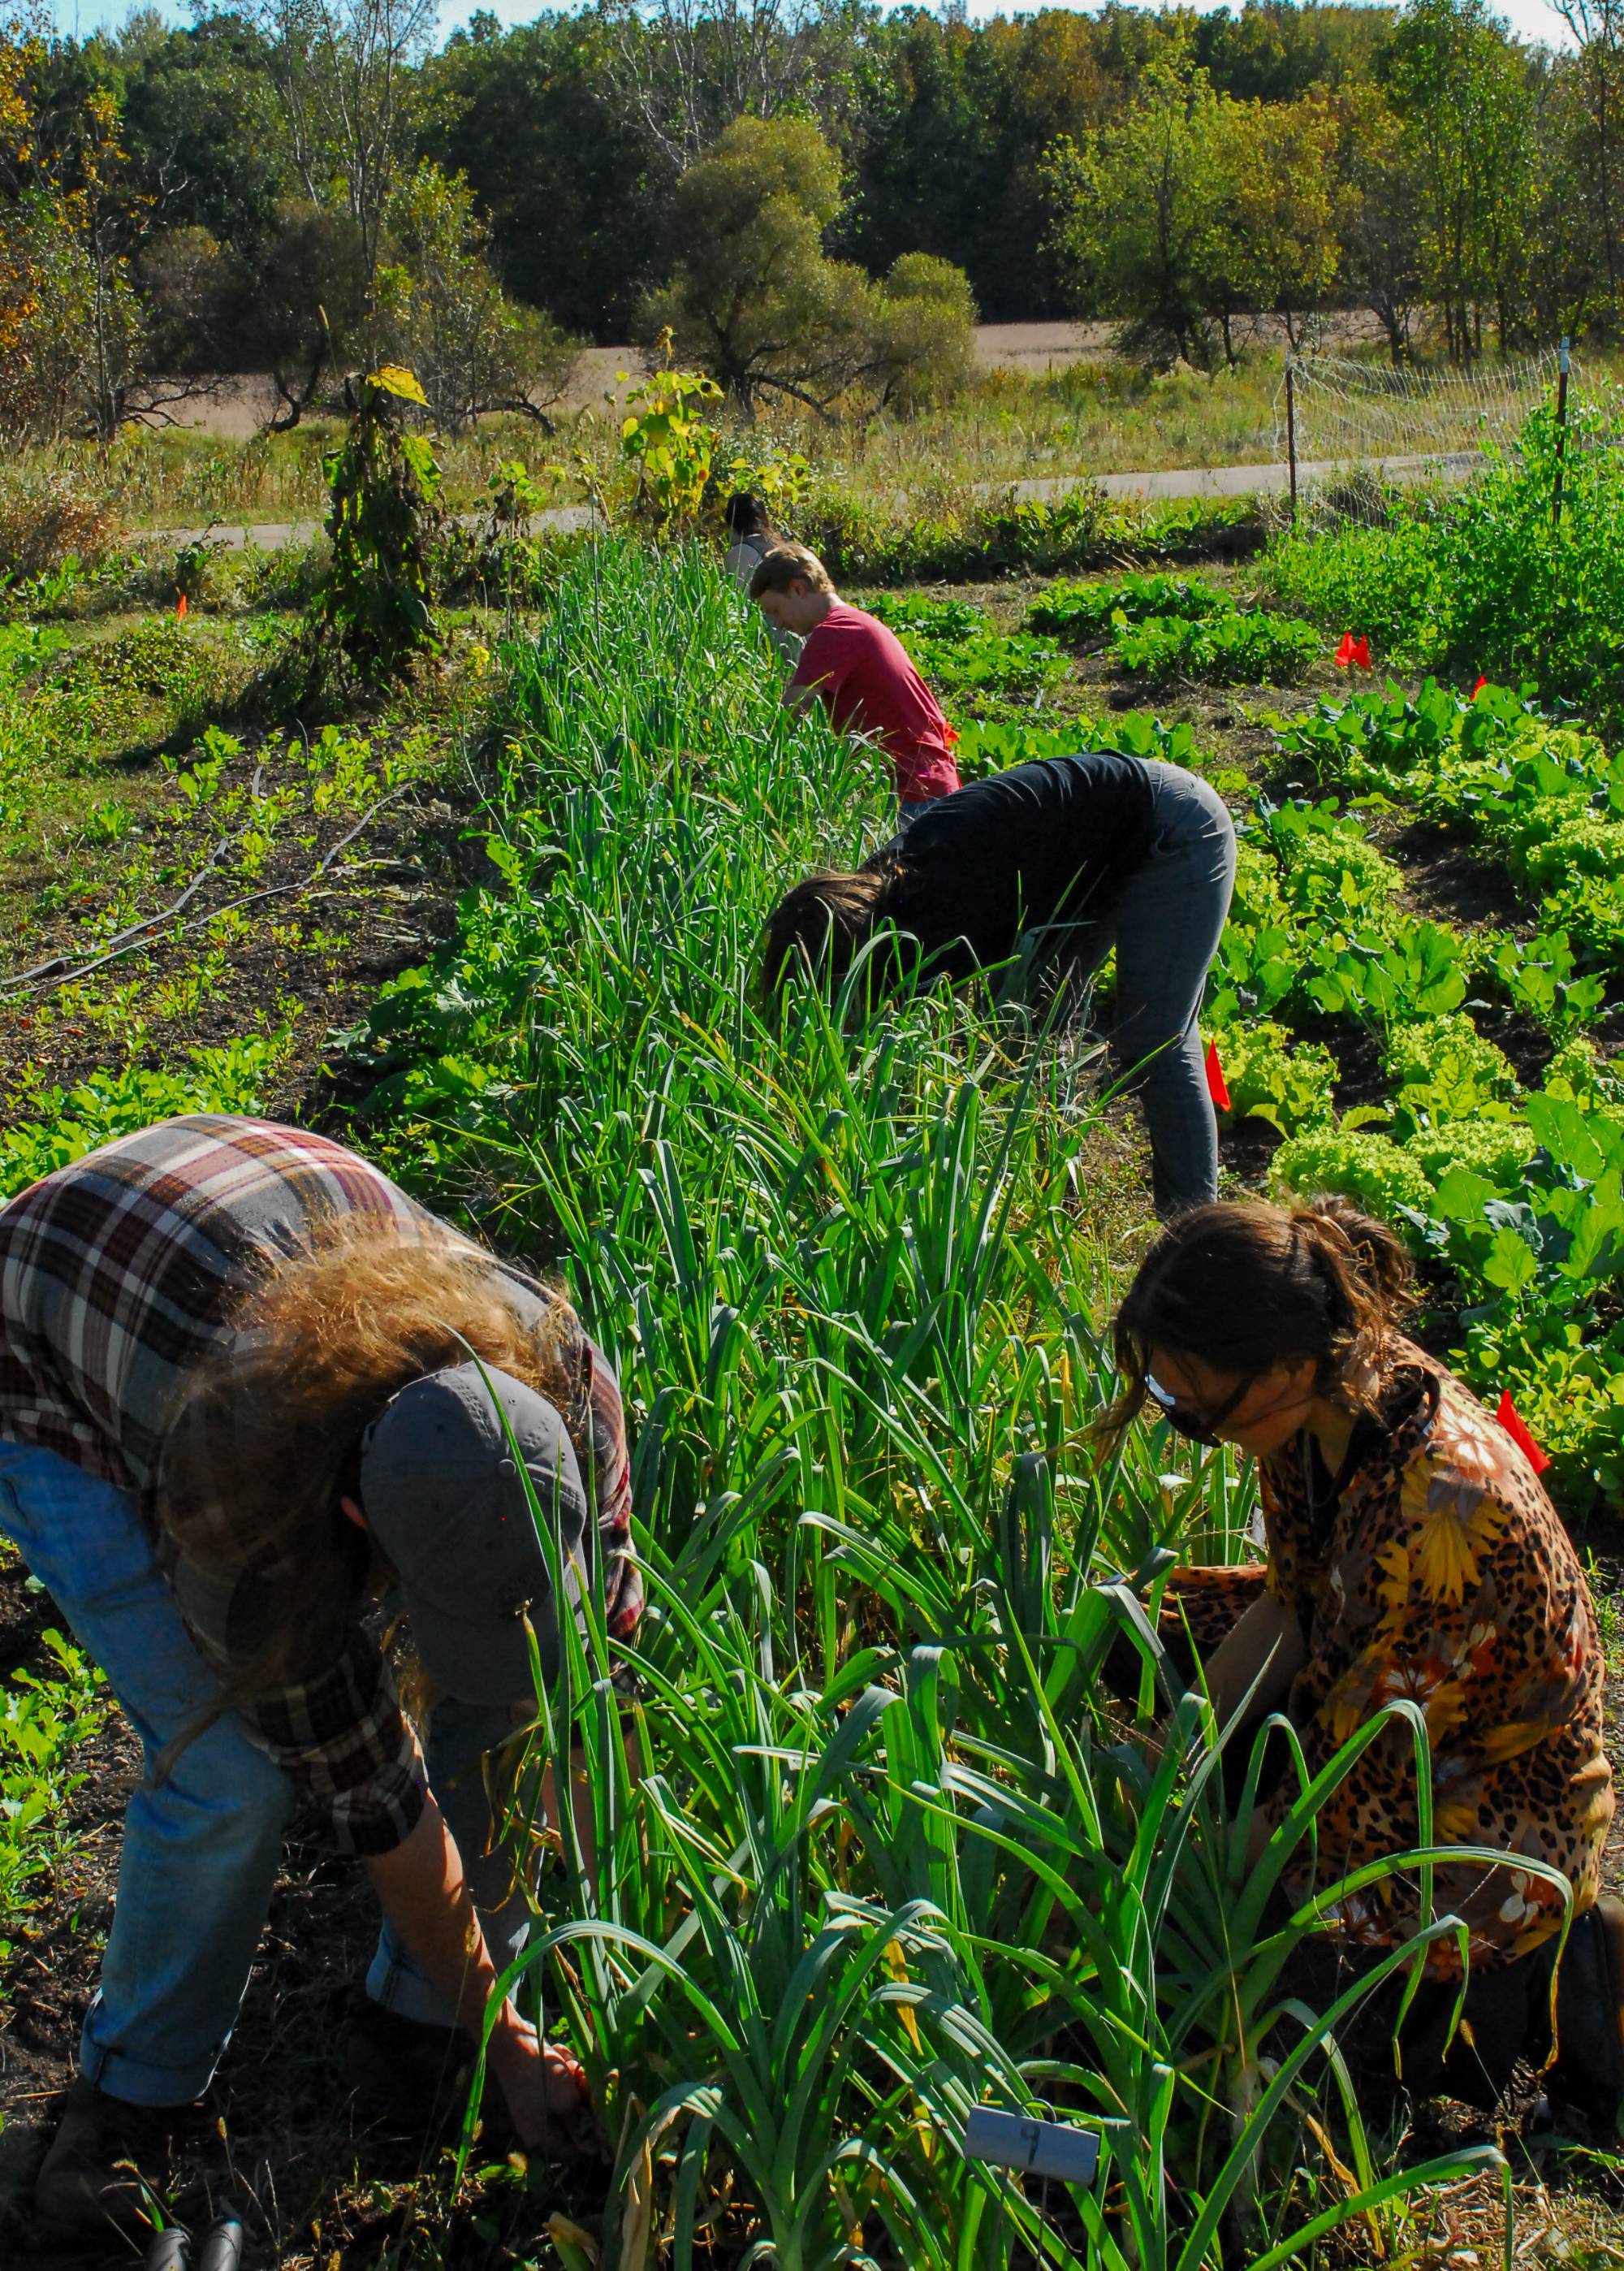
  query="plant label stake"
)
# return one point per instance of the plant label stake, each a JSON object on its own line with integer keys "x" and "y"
{"x": 1035, "y": 2148}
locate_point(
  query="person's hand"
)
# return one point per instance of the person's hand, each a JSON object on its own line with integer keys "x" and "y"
{"x": 546, "y": 2093}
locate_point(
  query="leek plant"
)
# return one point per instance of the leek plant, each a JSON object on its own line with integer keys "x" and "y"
{"x": 878, "y": 1845}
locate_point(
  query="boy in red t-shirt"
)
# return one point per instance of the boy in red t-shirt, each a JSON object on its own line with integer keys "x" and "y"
{"x": 861, "y": 673}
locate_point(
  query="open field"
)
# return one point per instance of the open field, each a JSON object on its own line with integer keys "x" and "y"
{"x": 500, "y": 931}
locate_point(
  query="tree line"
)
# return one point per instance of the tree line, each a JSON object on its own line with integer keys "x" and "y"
{"x": 812, "y": 195}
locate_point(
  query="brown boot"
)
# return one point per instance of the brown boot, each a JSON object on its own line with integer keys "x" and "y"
{"x": 105, "y": 2164}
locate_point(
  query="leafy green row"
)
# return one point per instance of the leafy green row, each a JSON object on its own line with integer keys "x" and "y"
{"x": 1512, "y": 1195}
{"x": 1074, "y": 610}
{"x": 1545, "y": 797}
{"x": 1244, "y": 649}
{"x": 955, "y": 648}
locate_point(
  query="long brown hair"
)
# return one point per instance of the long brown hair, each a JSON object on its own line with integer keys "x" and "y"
{"x": 1244, "y": 1287}
{"x": 266, "y": 1438}
{"x": 821, "y": 925}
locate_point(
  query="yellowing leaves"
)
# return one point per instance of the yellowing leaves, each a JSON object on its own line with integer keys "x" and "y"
{"x": 395, "y": 379}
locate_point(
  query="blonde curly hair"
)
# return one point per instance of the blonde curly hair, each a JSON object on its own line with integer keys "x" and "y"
{"x": 266, "y": 1438}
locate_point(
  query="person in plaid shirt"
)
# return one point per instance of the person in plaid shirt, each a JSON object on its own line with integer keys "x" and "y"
{"x": 247, "y": 1390}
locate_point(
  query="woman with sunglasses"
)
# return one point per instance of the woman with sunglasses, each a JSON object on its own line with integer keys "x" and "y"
{"x": 1412, "y": 1553}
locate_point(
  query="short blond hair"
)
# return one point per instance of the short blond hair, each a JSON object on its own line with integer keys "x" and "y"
{"x": 790, "y": 563}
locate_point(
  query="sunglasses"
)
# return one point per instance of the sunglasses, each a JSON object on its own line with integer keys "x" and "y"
{"x": 1195, "y": 1426}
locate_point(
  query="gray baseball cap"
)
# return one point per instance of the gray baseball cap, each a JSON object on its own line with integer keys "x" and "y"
{"x": 445, "y": 1502}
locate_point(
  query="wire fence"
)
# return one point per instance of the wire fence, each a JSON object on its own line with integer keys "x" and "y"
{"x": 1344, "y": 423}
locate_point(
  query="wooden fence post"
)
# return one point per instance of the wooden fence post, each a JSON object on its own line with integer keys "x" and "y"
{"x": 1561, "y": 434}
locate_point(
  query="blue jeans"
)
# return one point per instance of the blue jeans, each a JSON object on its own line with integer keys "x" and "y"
{"x": 201, "y": 1849}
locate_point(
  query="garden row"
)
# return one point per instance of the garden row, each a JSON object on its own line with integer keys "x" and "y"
{"x": 1153, "y": 627}
{"x": 889, "y": 1860}
{"x": 1507, "y": 1175}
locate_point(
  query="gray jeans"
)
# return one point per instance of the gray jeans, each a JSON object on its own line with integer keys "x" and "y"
{"x": 1165, "y": 923}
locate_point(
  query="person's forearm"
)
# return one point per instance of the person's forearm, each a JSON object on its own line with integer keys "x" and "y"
{"x": 425, "y": 1898}
{"x": 424, "y": 1892}
{"x": 1265, "y": 1647}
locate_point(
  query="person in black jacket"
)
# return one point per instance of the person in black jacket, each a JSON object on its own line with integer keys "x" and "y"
{"x": 1065, "y": 858}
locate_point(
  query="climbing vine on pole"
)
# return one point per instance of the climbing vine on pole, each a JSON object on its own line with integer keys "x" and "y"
{"x": 379, "y": 603}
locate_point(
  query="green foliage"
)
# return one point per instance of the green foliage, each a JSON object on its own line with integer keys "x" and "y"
{"x": 1186, "y": 206}
{"x": 43, "y": 1719}
{"x": 942, "y": 620}
{"x": 1495, "y": 1149}
{"x": 885, "y": 1860}
{"x": 1443, "y": 1069}
{"x": 1547, "y": 799}
{"x": 378, "y": 601}
{"x": 1288, "y": 1083}
{"x": 1013, "y": 665}
{"x": 865, "y": 540}
{"x": 1075, "y": 610}
{"x": 1328, "y": 864}
{"x": 1379, "y": 583}
{"x": 1360, "y": 1164}
{"x": 1479, "y": 578}
{"x": 1246, "y": 648}
{"x": 446, "y": 317}
{"x": 62, "y": 1125}
{"x": 756, "y": 302}
{"x": 665, "y": 435}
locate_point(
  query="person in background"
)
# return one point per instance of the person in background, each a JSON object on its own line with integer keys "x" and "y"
{"x": 1065, "y": 857}
{"x": 237, "y": 1409}
{"x": 751, "y": 537}
{"x": 1412, "y": 1553}
{"x": 859, "y": 669}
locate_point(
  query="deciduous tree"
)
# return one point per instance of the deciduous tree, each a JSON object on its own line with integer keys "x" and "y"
{"x": 757, "y": 303}
{"x": 448, "y": 321}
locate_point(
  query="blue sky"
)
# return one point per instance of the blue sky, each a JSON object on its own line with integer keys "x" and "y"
{"x": 1534, "y": 20}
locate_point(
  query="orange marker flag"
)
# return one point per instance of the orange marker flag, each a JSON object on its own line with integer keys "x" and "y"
{"x": 1362, "y": 655}
{"x": 1478, "y": 689}
{"x": 181, "y": 607}
{"x": 1344, "y": 654}
{"x": 1511, "y": 1419}
{"x": 1216, "y": 1086}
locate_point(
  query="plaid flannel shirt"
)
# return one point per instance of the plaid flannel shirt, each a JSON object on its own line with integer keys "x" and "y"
{"x": 113, "y": 1276}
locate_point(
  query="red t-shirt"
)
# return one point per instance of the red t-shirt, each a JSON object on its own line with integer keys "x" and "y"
{"x": 868, "y": 685}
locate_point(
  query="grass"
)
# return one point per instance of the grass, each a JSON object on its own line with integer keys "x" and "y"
{"x": 1096, "y": 417}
